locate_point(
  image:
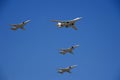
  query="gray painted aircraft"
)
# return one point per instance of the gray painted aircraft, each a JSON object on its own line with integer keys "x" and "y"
{"x": 67, "y": 69}
{"x": 67, "y": 24}
{"x": 20, "y": 25}
{"x": 68, "y": 50}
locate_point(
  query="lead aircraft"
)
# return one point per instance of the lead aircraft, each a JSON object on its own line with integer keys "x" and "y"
{"x": 67, "y": 23}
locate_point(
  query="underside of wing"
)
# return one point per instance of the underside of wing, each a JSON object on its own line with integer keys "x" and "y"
{"x": 74, "y": 27}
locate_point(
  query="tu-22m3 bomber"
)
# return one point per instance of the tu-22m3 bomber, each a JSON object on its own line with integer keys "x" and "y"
{"x": 20, "y": 25}
{"x": 68, "y": 23}
{"x": 68, "y": 50}
{"x": 67, "y": 69}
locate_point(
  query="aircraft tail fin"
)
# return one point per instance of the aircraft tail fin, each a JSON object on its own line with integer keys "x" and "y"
{"x": 74, "y": 27}
{"x": 22, "y": 28}
{"x": 71, "y": 52}
{"x": 69, "y": 71}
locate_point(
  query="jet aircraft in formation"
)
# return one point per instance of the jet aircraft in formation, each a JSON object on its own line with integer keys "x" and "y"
{"x": 67, "y": 69}
{"x": 60, "y": 24}
{"x": 20, "y": 25}
{"x": 68, "y": 50}
{"x": 68, "y": 23}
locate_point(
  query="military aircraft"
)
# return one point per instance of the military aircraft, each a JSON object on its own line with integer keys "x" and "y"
{"x": 67, "y": 69}
{"x": 68, "y": 50}
{"x": 67, "y": 24}
{"x": 20, "y": 25}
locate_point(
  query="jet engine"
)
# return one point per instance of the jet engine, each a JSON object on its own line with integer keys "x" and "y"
{"x": 60, "y": 25}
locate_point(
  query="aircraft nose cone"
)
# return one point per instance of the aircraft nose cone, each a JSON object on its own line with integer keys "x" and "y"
{"x": 59, "y": 25}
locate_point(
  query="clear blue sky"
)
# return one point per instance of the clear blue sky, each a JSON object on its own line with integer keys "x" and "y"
{"x": 33, "y": 54}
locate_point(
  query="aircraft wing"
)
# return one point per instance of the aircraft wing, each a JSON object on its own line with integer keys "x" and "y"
{"x": 74, "y": 27}
{"x": 57, "y": 21}
{"x": 15, "y": 25}
{"x": 25, "y": 22}
{"x": 61, "y": 69}
{"x": 63, "y": 49}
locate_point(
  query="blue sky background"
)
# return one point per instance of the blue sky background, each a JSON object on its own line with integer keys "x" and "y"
{"x": 33, "y": 54}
